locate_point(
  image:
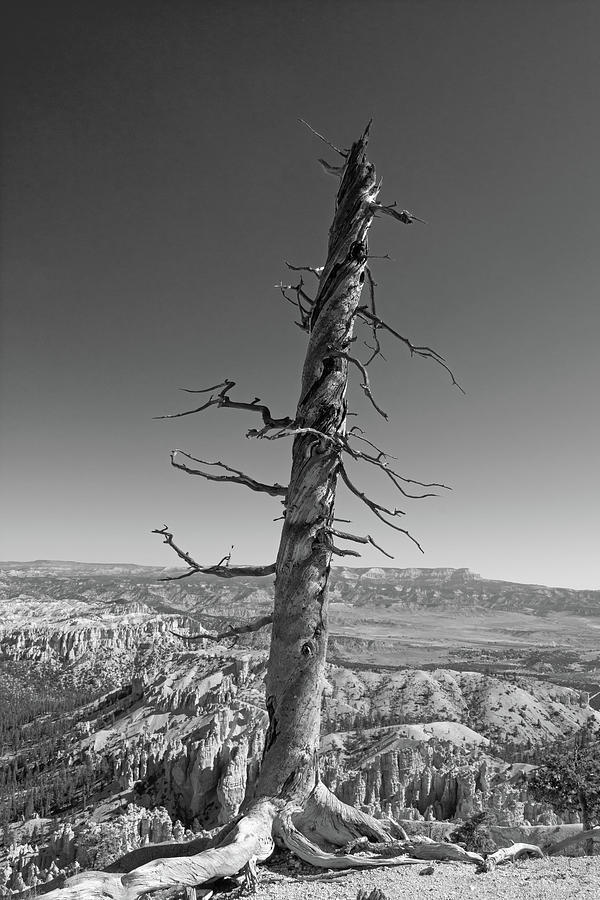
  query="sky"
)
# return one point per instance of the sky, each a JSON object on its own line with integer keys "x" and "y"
{"x": 155, "y": 179}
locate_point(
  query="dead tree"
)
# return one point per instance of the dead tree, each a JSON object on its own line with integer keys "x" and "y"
{"x": 291, "y": 805}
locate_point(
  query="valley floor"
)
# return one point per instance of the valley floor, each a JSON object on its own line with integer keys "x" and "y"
{"x": 559, "y": 878}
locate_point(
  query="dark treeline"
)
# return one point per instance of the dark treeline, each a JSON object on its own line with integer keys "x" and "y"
{"x": 39, "y": 772}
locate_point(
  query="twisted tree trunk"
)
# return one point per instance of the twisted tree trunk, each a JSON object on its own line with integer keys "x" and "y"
{"x": 295, "y": 675}
{"x": 290, "y": 803}
{"x": 294, "y": 682}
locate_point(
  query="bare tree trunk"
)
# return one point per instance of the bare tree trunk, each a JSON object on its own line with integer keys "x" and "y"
{"x": 290, "y": 802}
{"x": 295, "y": 674}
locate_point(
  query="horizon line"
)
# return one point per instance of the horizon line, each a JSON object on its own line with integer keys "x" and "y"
{"x": 163, "y": 568}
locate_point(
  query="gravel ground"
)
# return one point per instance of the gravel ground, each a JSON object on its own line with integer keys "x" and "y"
{"x": 560, "y": 878}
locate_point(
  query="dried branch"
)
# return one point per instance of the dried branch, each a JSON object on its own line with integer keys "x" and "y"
{"x": 337, "y": 551}
{"x": 376, "y": 348}
{"x": 222, "y": 569}
{"x": 236, "y": 476}
{"x": 425, "y": 352}
{"x": 301, "y": 295}
{"x": 365, "y": 384}
{"x": 343, "y": 153}
{"x": 336, "y": 439}
{"x": 372, "y": 285}
{"x": 336, "y": 171}
{"x": 370, "y": 317}
{"x": 256, "y": 625}
{"x": 341, "y": 443}
{"x": 360, "y": 539}
{"x": 222, "y": 399}
{"x": 384, "y": 455}
{"x": 376, "y": 508}
{"x": 380, "y": 462}
{"x": 404, "y": 216}
{"x": 315, "y": 270}
{"x": 357, "y": 432}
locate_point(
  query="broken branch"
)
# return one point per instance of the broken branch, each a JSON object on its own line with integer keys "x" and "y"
{"x": 316, "y": 270}
{"x": 222, "y": 399}
{"x": 337, "y": 551}
{"x": 256, "y": 625}
{"x": 222, "y": 571}
{"x": 404, "y": 216}
{"x": 360, "y": 539}
{"x": 336, "y": 171}
{"x": 343, "y": 153}
{"x": 236, "y": 476}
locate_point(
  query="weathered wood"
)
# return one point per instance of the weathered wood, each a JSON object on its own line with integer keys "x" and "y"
{"x": 336, "y": 824}
{"x": 295, "y": 674}
{"x": 249, "y": 840}
{"x": 511, "y": 854}
{"x": 289, "y": 802}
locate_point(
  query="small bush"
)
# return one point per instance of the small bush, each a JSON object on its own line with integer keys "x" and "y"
{"x": 474, "y": 834}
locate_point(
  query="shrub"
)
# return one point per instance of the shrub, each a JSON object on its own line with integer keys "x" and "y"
{"x": 568, "y": 778}
{"x": 474, "y": 834}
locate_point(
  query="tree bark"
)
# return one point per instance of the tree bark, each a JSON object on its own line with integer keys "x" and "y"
{"x": 296, "y": 667}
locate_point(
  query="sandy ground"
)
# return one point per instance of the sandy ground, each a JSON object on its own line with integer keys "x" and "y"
{"x": 560, "y": 878}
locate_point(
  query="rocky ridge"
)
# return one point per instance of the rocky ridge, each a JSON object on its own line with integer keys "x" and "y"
{"x": 191, "y": 739}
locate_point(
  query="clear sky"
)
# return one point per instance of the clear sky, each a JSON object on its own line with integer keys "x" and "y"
{"x": 155, "y": 180}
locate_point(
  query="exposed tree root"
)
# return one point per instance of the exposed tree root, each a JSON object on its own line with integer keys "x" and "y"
{"x": 286, "y": 832}
{"x": 323, "y": 832}
{"x": 249, "y": 841}
{"x": 511, "y": 854}
{"x": 218, "y": 837}
{"x": 337, "y": 823}
{"x": 317, "y": 830}
{"x": 149, "y": 852}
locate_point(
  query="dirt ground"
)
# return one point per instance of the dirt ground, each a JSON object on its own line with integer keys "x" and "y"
{"x": 559, "y": 878}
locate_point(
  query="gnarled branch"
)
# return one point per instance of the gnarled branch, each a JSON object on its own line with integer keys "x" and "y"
{"x": 424, "y": 352}
{"x": 222, "y": 399}
{"x": 380, "y": 461}
{"x": 367, "y": 315}
{"x": 256, "y": 625}
{"x": 360, "y": 539}
{"x": 222, "y": 569}
{"x": 376, "y": 508}
{"x": 315, "y": 270}
{"x": 384, "y": 455}
{"x": 236, "y": 476}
